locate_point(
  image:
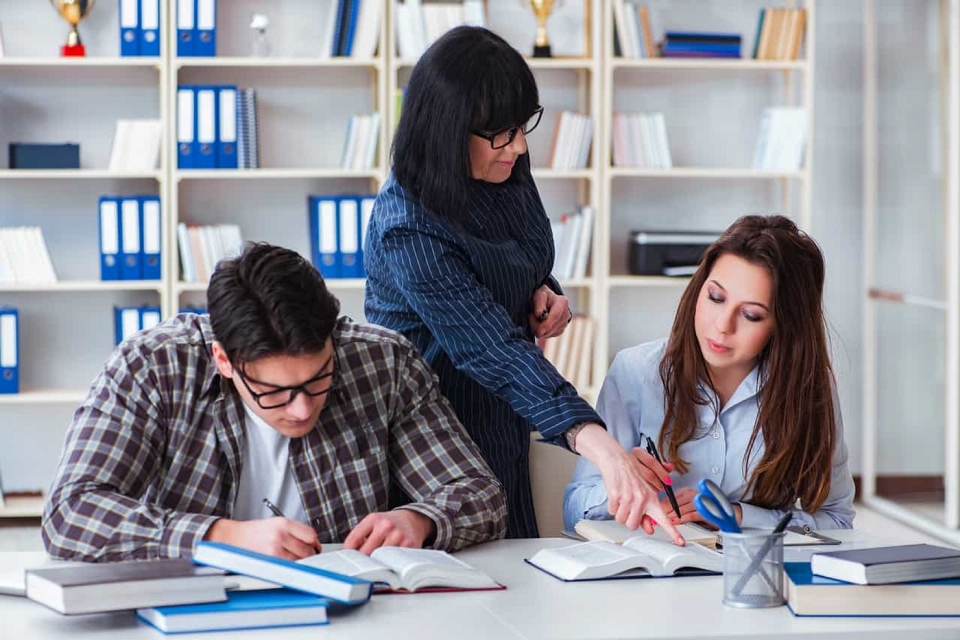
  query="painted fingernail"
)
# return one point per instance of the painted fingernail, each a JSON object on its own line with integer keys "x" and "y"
{"x": 653, "y": 521}
{"x": 667, "y": 481}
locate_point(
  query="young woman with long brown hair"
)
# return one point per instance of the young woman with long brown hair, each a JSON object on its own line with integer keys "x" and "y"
{"x": 742, "y": 392}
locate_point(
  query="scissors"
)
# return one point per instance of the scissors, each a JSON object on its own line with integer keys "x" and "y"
{"x": 714, "y": 506}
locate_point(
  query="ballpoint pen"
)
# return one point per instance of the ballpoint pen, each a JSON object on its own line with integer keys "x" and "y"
{"x": 652, "y": 450}
{"x": 273, "y": 509}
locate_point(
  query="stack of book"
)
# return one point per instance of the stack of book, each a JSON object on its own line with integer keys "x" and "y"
{"x": 633, "y": 37}
{"x": 360, "y": 144}
{"x": 572, "y": 352}
{"x": 906, "y": 580}
{"x": 640, "y": 140}
{"x": 24, "y": 258}
{"x": 572, "y": 138}
{"x": 136, "y": 146}
{"x": 571, "y": 238}
{"x": 780, "y": 34}
{"x": 353, "y": 30}
{"x": 781, "y": 140}
{"x": 419, "y": 23}
{"x": 691, "y": 44}
{"x": 203, "y": 246}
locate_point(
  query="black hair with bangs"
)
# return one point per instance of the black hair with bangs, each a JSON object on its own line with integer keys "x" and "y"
{"x": 470, "y": 79}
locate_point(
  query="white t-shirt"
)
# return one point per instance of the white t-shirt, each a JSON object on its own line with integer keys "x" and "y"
{"x": 266, "y": 474}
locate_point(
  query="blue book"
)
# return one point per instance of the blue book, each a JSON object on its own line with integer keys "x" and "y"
{"x": 242, "y": 610}
{"x": 702, "y": 36}
{"x": 292, "y": 575}
{"x": 149, "y": 27}
{"x": 813, "y": 595}
{"x": 883, "y": 565}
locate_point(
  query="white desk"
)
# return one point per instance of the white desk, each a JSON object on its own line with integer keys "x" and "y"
{"x": 534, "y": 605}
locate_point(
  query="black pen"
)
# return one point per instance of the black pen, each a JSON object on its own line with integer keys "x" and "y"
{"x": 652, "y": 450}
{"x": 273, "y": 509}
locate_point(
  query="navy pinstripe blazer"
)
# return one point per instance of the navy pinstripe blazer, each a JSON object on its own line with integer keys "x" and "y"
{"x": 462, "y": 295}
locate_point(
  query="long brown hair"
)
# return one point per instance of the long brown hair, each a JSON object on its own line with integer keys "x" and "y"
{"x": 796, "y": 417}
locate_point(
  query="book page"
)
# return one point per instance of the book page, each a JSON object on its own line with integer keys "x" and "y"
{"x": 615, "y": 532}
{"x": 597, "y": 559}
{"x": 419, "y": 568}
{"x": 351, "y": 562}
{"x": 672, "y": 557}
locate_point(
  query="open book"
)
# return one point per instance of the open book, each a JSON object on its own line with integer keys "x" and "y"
{"x": 403, "y": 569}
{"x": 613, "y": 531}
{"x": 637, "y": 557}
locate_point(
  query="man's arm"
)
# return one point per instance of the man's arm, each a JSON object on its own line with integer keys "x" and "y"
{"x": 433, "y": 458}
{"x": 114, "y": 449}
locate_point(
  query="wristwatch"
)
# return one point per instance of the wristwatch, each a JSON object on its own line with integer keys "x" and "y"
{"x": 570, "y": 435}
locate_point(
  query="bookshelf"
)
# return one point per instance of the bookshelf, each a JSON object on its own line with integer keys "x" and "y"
{"x": 641, "y": 308}
{"x": 304, "y": 103}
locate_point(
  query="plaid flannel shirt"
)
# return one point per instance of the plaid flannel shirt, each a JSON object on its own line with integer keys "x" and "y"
{"x": 152, "y": 457}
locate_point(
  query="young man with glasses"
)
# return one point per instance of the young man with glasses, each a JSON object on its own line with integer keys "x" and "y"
{"x": 270, "y": 424}
{"x": 458, "y": 254}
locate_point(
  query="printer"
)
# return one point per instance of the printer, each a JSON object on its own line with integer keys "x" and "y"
{"x": 672, "y": 253}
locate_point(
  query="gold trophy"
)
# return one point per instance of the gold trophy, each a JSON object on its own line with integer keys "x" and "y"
{"x": 541, "y": 44}
{"x": 73, "y": 11}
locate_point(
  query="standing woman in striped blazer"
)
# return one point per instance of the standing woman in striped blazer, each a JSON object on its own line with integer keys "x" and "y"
{"x": 458, "y": 256}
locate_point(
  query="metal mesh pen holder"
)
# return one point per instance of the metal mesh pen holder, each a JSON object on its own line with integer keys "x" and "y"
{"x": 753, "y": 569}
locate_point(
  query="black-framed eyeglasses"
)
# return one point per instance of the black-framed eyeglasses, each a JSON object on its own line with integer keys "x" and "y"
{"x": 282, "y": 396}
{"x": 502, "y": 138}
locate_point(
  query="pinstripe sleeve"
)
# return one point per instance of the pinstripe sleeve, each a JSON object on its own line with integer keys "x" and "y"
{"x": 113, "y": 450}
{"x": 439, "y": 466}
{"x": 476, "y": 333}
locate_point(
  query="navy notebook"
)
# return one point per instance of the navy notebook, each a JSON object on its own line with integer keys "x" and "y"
{"x": 885, "y": 565}
{"x": 813, "y": 595}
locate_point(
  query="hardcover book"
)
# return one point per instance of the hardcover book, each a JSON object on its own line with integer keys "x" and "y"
{"x": 406, "y": 570}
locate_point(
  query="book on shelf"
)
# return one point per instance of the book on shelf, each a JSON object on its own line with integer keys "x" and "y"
{"x": 293, "y": 575}
{"x": 780, "y": 34}
{"x": 129, "y": 321}
{"x": 812, "y": 595}
{"x": 633, "y": 30}
{"x": 405, "y": 570}
{"x": 241, "y": 610}
{"x": 572, "y": 137}
{"x": 203, "y": 246}
{"x": 694, "y": 44}
{"x": 572, "y": 234}
{"x": 781, "y": 140}
{"x": 361, "y": 142}
{"x": 116, "y": 586}
{"x": 418, "y": 24}
{"x": 637, "y": 557}
{"x": 352, "y": 29}
{"x": 640, "y": 140}
{"x": 885, "y": 565}
{"x": 571, "y": 353}
{"x": 136, "y": 146}
{"x": 24, "y": 258}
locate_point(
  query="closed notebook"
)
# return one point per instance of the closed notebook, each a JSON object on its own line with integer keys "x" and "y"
{"x": 813, "y": 595}
{"x": 328, "y": 584}
{"x": 635, "y": 558}
{"x": 405, "y": 570}
{"x": 241, "y": 610}
{"x": 885, "y": 565}
{"x": 115, "y": 586}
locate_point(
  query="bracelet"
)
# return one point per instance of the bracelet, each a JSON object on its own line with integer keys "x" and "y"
{"x": 570, "y": 435}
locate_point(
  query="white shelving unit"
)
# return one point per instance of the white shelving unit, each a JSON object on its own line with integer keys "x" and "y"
{"x": 304, "y": 102}
{"x": 626, "y": 83}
